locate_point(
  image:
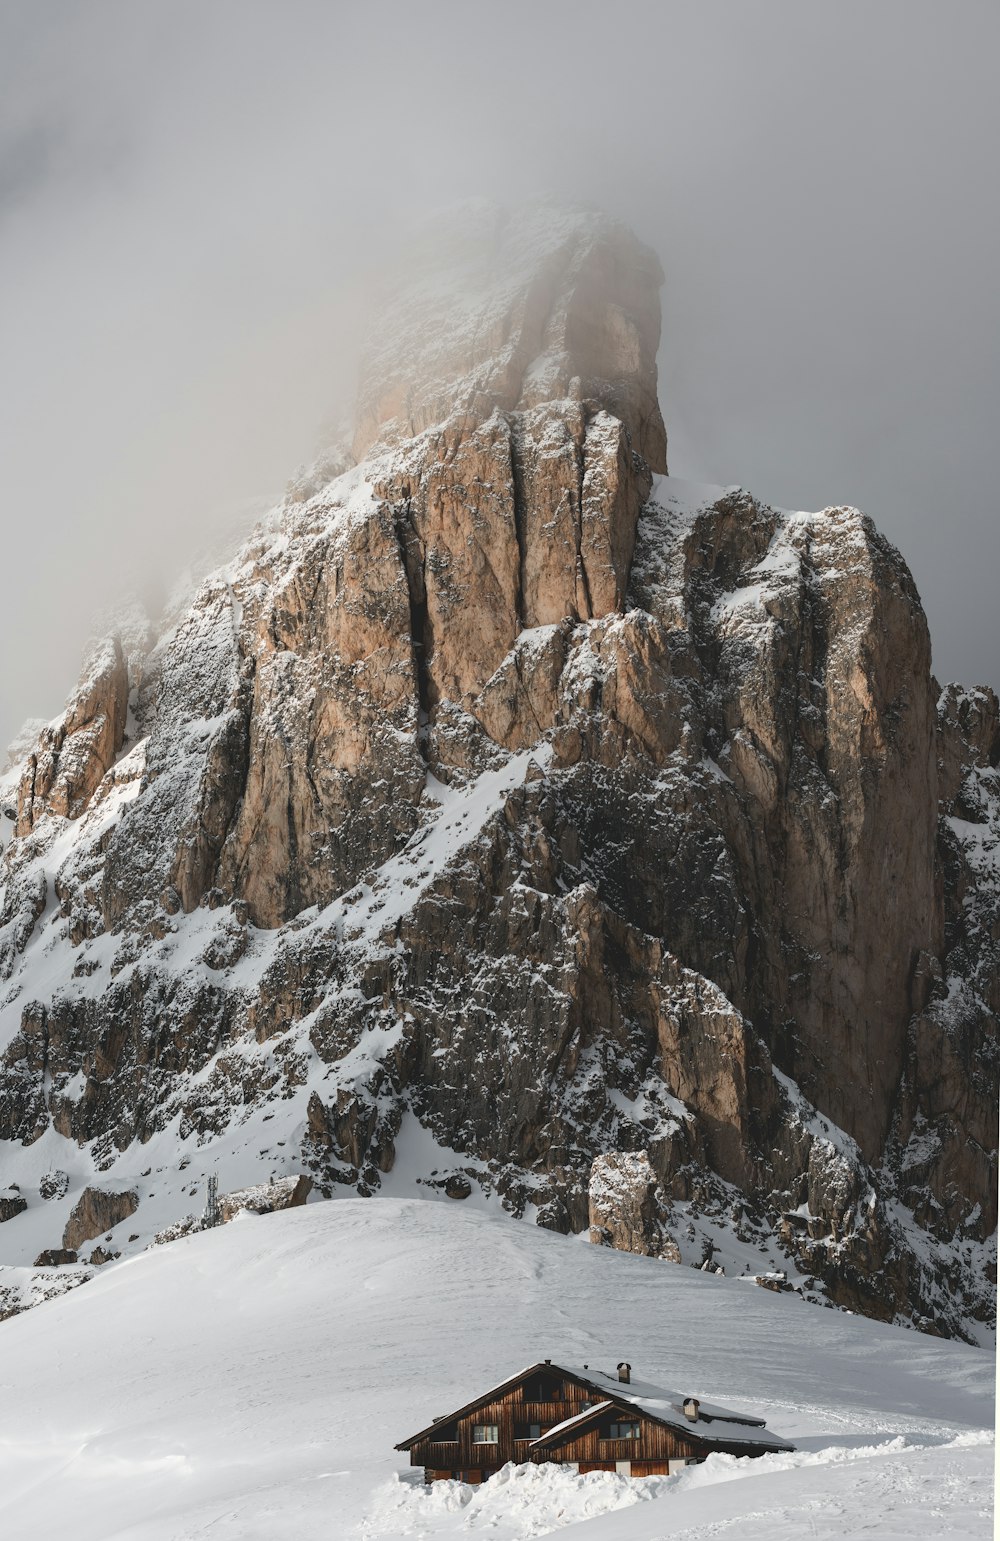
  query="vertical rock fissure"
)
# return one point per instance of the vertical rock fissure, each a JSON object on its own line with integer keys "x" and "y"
{"x": 410, "y": 557}
{"x": 581, "y": 566}
{"x": 520, "y": 513}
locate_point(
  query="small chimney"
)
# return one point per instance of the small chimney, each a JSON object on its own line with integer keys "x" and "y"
{"x": 691, "y": 1405}
{"x": 624, "y": 1373}
{"x": 548, "y": 1361}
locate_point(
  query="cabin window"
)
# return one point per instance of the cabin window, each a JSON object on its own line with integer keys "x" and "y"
{"x": 544, "y": 1388}
{"x": 485, "y": 1434}
{"x": 527, "y": 1431}
{"x": 626, "y": 1430}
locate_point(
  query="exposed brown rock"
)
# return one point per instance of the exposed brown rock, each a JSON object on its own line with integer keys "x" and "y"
{"x": 628, "y": 1208}
{"x": 73, "y": 755}
{"x": 101, "y": 1255}
{"x": 534, "y": 309}
{"x": 95, "y": 1211}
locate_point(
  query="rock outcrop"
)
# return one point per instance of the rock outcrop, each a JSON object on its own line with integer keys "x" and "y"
{"x": 628, "y": 1208}
{"x": 265, "y": 1198}
{"x": 12, "y": 1202}
{"x": 55, "y": 1257}
{"x": 98, "y": 1210}
{"x": 23, "y": 1288}
{"x": 610, "y": 829}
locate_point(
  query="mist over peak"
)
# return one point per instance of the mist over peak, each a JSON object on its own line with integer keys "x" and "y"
{"x": 199, "y": 205}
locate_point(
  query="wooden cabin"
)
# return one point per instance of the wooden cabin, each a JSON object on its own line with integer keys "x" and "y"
{"x": 584, "y": 1418}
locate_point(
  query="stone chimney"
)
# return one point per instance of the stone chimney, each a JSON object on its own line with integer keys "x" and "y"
{"x": 691, "y": 1405}
{"x": 624, "y": 1372}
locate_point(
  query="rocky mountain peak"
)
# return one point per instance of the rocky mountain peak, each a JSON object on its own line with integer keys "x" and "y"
{"x": 509, "y": 310}
{"x": 508, "y": 814}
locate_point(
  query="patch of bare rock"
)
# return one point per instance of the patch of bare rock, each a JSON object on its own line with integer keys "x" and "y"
{"x": 98, "y": 1210}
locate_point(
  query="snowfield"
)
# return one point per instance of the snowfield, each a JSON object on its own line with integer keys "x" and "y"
{"x": 251, "y": 1382}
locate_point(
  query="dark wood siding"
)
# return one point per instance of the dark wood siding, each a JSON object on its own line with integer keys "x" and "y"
{"x": 506, "y": 1412}
{"x": 590, "y": 1447}
{"x": 655, "y": 1443}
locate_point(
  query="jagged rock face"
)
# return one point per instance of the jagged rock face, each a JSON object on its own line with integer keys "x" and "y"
{"x": 508, "y": 310}
{"x": 72, "y": 756}
{"x": 303, "y": 678}
{"x": 611, "y": 829}
{"x": 628, "y": 1209}
{"x": 945, "y": 1134}
{"x": 811, "y": 680}
{"x": 98, "y": 1210}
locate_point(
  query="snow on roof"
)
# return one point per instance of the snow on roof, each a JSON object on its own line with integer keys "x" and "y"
{"x": 484, "y": 1396}
{"x": 569, "y": 1423}
{"x": 713, "y": 1422}
{"x": 641, "y": 1390}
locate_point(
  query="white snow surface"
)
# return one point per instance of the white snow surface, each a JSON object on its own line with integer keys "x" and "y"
{"x": 251, "y": 1382}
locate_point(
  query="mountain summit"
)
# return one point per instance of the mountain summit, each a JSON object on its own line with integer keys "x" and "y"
{"x": 510, "y": 819}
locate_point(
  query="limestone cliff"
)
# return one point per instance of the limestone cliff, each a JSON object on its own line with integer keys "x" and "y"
{"x": 506, "y": 808}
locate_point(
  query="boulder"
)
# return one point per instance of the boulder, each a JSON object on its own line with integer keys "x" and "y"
{"x": 102, "y": 1255}
{"x": 54, "y": 1184}
{"x": 11, "y": 1203}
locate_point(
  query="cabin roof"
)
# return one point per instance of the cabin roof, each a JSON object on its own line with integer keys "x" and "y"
{"x": 642, "y": 1392}
{"x": 713, "y": 1431}
{"x": 663, "y": 1406}
{"x": 468, "y": 1407}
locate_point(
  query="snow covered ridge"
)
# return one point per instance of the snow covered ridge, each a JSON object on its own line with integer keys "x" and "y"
{"x": 508, "y": 819}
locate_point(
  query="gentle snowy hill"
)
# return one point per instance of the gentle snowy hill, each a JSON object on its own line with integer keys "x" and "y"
{"x": 251, "y": 1382}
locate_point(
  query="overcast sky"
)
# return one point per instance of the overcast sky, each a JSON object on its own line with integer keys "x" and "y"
{"x": 192, "y": 197}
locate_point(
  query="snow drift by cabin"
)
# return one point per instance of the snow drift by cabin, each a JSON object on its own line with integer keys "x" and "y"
{"x": 587, "y": 1419}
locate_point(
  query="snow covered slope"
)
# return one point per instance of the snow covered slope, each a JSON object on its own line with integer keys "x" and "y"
{"x": 251, "y": 1382}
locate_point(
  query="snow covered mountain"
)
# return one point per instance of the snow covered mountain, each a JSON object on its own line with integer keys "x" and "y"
{"x": 509, "y": 819}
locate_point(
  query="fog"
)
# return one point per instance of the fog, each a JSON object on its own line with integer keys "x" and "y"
{"x": 194, "y": 200}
